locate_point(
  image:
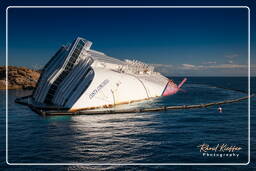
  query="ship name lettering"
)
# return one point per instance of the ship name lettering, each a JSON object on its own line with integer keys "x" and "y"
{"x": 99, "y": 87}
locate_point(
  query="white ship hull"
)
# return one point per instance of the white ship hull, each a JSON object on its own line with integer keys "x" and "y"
{"x": 79, "y": 78}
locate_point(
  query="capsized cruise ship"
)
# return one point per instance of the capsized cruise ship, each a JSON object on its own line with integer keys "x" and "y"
{"x": 79, "y": 78}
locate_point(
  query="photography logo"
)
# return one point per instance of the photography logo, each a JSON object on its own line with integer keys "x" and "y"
{"x": 219, "y": 150}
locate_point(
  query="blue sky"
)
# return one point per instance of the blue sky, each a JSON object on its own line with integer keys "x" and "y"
{"x": 179, "y": 42}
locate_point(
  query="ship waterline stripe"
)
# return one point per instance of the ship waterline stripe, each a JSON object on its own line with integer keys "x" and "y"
{"x": 110, "y": 105}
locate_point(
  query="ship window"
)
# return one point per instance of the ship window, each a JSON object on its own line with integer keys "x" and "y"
{"x": 81, "y": 43}
{"x": 51, "y": 91}
{"x": 76, "y": 50}
{"x": 79, "y": 46}
{"x": 54, "y": 88}
{"x": 68, "y": 67}
{"x": 80, "y": 90}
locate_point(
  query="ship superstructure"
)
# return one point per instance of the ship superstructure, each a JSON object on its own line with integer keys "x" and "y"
{"x": 79, "y": 78}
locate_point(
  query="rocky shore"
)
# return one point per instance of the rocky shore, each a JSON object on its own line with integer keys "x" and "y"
{"x": 18, "y": 77}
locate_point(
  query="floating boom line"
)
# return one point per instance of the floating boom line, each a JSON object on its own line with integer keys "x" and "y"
{"x": 48, "y": 111}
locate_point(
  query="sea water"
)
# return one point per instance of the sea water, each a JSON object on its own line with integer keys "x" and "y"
{"x": 165, "y": 137}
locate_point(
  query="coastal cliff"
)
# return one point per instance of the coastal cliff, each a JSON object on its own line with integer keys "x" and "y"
{"x": 18, "y": 77}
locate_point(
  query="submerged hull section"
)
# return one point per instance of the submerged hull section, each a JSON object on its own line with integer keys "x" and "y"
{"x": 79, "y": 78}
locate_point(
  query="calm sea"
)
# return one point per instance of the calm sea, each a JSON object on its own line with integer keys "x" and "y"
{"x": 157, "y": 137}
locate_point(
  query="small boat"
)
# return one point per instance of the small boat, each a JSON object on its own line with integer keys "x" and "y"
{"x": 79, "y": 78}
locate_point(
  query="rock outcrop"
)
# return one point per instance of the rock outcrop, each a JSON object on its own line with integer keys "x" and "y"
{"x": 18, "y": 77}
